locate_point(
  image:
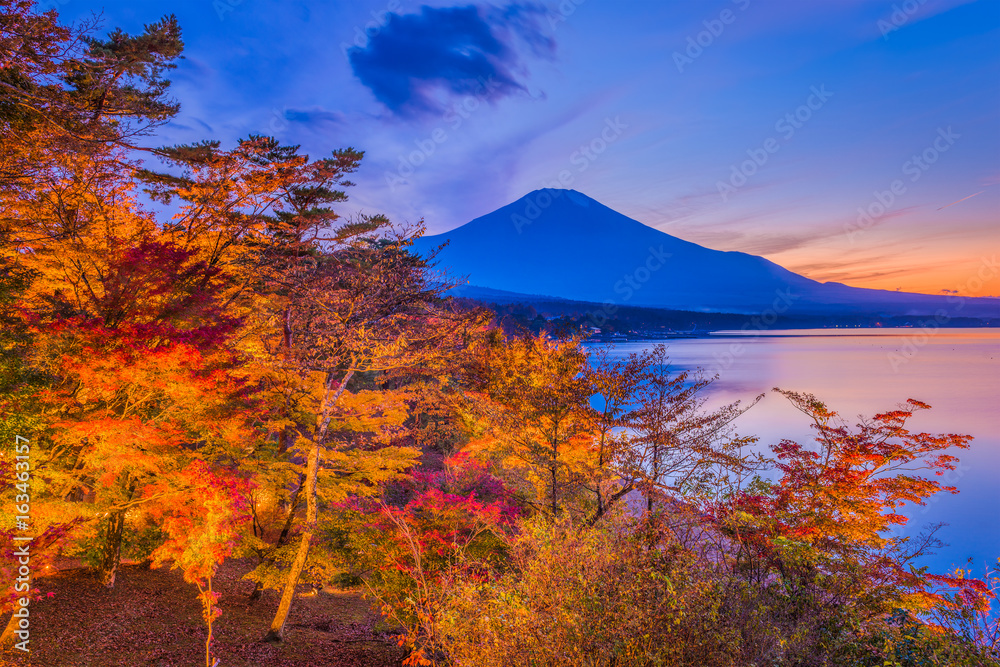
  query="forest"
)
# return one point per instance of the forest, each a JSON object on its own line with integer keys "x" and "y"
{"x": 207, "y": 358}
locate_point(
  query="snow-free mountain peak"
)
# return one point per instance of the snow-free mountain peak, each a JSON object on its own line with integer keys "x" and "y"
{"x": 562, "y": 243}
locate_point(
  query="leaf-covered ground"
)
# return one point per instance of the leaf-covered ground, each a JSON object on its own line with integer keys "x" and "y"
{"x": 152, "y": 618}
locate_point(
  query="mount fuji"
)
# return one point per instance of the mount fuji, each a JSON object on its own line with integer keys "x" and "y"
{"x": 562, "y": 244}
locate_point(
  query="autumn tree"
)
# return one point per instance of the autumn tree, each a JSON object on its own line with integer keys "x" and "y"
{"x": 69, "y": 104}
{"x": 359, "y": 304}
{"x": 64, "y": 91}
{"x": 204, "y": 529}
{"x": 655, "y": 434}
{"x": 251, "y": 237}
{"x": 139, "y": 389}
{"x": 126, "y": 315}
{"x": 324, "y": 298}
{"x": 966, "y": 607}
{"x": 800, "y": 570}
{"x": 455, "y": 525}
{"x": 533, "y": 415}
{"x": 827, "y": 522}
{"x": 99, "y": 351}
{"x": 615, "y": 383}
{"x": 126, "y": 328}
{"x": 678, "y": 444}
{"x": 72, "y": 107}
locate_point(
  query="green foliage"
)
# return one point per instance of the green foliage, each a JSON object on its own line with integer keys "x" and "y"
{"x": 139, "y": 541}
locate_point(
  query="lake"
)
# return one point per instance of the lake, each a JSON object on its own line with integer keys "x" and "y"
{"x": 865, "y": 371}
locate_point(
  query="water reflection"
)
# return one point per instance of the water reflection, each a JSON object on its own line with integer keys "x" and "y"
{"x": 864, "y": 371}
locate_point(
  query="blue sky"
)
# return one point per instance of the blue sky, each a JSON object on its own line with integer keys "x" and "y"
{"x": 737, "y": 124}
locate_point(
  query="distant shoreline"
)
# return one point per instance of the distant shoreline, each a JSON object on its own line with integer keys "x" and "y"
{"x": 815, "y": 332}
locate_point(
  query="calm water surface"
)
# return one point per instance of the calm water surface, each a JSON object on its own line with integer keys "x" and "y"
{"x": 864, "y": 371}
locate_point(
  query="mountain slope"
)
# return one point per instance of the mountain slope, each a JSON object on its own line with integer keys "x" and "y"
{"x": 561, "y": 243}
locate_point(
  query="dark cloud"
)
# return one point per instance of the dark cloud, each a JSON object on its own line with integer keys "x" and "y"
{"x": 456, "y": 51}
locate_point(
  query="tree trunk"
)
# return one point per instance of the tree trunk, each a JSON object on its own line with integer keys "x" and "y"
{"x": 612, "y": 500}
{"x": 655, "y": 478}
{"x": 112, "y": 549}
{"x": 286, "y": 439}
{"x": 113, "y": 540}
{"x": 555, "y": 500}
{"x": 208, "y": 617}
{"x": 600, "y": 469}
{"x": 555, "y": 471}
{"x": 258, "y": 590}
{"x": 276, "y": 632}
{"x": 295, "y": 502}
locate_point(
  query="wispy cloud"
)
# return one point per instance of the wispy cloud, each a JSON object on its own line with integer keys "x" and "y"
{"x": 962, "y": 199}
{"x": 317, "y": 118}
{"x": 871, "y": 268}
